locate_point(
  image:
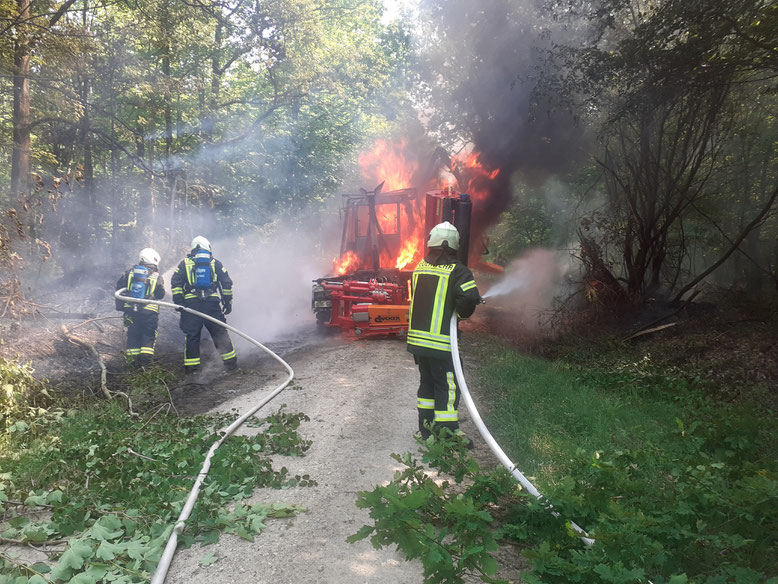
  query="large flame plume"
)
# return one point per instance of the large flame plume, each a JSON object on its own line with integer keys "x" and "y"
{"x": 389, "y": 163}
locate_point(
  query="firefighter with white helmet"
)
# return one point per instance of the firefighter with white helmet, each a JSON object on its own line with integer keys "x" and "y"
{"x": 141, "y": 281}
{"x": 441, "y": 284}
{"x": 201, "y": 282}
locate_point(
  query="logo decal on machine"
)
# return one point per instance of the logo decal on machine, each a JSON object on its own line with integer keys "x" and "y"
{"x": 385, "y": 318}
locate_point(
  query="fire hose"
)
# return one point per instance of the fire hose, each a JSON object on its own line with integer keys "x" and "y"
{"x": 487, "y": 436}
{"x": 170, "y": 548}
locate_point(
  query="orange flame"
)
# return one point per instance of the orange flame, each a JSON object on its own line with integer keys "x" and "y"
{"x": 408, "y": 253}
{"x": 347, "y": 263}
{"x": 387, "y": 162}
{"x": 477, "y": 175}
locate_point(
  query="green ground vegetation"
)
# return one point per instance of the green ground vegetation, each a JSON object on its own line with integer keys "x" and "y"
{"x": 103, "y": 488}
{"x": 674, "y": 485}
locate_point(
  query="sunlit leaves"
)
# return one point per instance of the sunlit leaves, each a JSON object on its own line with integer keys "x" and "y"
{"x": 119, "y": 525}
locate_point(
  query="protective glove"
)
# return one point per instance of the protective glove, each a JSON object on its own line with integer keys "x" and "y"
{"x": 226, "y": 306}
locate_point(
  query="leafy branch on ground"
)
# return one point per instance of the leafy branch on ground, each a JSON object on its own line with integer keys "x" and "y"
{"x": 112, "y": 485}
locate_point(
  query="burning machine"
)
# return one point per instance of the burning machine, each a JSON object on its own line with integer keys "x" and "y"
{"x": 383, "y": 239}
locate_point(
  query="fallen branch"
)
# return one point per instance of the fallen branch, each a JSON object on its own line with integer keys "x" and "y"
{"x": 103, "y": 371}
{"x": 651, "y": 330}
{"x": 93, "y": 320}
{"x": 33, "y": 543}
{"x": 68, "y": 315}
{"x": 138, "y": 454}
{"x": 685, "y": 303}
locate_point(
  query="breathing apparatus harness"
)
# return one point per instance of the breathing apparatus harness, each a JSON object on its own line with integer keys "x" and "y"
{"x": 141, "y": 283}
{"x": 201, "y": 279}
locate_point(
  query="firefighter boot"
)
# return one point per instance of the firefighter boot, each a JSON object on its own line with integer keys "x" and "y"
{"x": 231, "y": 365}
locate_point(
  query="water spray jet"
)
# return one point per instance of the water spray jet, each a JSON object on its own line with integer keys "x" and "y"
{"x": 510, "y": 283}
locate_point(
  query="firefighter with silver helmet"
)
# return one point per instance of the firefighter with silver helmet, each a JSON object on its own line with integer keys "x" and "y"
{"x": 442, "y": 285}
{"x": 202, "y": 283}
{"x": 145, "y": 282}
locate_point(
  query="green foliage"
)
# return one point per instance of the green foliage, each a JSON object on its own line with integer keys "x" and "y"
{"x": 447, "y": 527}
{"x": 673, "y": 489}
{"x": 25, "y": 404}
{"x": 115, "y": 484}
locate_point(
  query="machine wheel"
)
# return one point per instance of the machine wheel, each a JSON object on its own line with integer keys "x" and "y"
{"x": 323, "y": 317}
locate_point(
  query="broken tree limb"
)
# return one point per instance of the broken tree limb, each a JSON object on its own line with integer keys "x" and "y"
{"x": 651, "y": 330}
{"x": 103, "y": 371}
{"x": 685, "y": 303}
{"x": 94, "y": 320}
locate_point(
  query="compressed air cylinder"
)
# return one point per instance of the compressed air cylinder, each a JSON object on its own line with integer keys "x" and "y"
{"x": 463, "y": 210}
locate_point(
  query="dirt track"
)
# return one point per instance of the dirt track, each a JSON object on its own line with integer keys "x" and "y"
{"x": 360, "y": 396}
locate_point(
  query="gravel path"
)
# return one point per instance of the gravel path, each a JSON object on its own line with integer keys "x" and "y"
{"x": 360, "y": 397}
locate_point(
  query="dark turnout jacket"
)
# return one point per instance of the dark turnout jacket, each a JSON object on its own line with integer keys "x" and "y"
{"x": 441, "y": 284}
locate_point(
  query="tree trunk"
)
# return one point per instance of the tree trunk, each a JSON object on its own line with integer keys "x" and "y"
{"x": 20, "y": 157}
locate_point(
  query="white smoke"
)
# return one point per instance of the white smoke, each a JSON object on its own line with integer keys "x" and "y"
{"x": 525, "y": 291}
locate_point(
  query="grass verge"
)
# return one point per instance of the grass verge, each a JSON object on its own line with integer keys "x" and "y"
{"x": 674, "y": 486}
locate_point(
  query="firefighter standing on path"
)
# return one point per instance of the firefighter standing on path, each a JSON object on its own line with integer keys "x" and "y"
{"x": 141, "y": 320}
{"x": 200, "y": 282}
{"x": 441, "y": 285}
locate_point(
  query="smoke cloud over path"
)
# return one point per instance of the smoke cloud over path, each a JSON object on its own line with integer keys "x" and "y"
{"x": 272, "y": 283}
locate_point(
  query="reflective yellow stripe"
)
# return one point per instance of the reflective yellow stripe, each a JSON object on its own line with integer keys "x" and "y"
{"x": 446, "y": 416}
{"x": 425, "y": 268}
{"x": 440, "y": 299}
{"x": 452, "y": 391}
{"x": 147, "y": 350}
{"x": 435, "y": 337}
{"x": 194, "y": 361}
{"x": 229, "y": 355}
{"x": 468, "y": 286}
{"x": 177, "y": 290}
{"x": 429, "y": 344}
{"x": 190, "y": 296}
{"x": 425, "y": 404}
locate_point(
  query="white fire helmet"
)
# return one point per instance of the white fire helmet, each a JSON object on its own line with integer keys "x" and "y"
{"x": 201, "y": 242}
{"x": 444, "y": 232}
{"x": 148, "y": 256}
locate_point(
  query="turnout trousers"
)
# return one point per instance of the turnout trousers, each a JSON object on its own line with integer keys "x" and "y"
{"x": 438, "y": 395}
{"x": 141, "y": 336}
{"x": 192, "y": 326}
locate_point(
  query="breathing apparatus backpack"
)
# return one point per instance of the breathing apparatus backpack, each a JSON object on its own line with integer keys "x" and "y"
{"x": 138, "y": 284}
{"x": 140, "y": 275}
{"x": 203, "y": 277}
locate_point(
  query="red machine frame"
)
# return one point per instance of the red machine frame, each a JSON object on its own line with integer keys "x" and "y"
{"x": 375, "y": 302}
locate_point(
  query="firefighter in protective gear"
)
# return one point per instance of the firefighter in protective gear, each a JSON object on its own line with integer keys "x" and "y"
{"x": 441, "y": 285}
{"x": 141, "y": 281}
{"x": 201, "y": 282}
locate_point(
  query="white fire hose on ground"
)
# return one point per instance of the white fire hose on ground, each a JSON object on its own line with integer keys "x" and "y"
{"x": 170, "y": 549}
{"x": 487, "y": 436}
